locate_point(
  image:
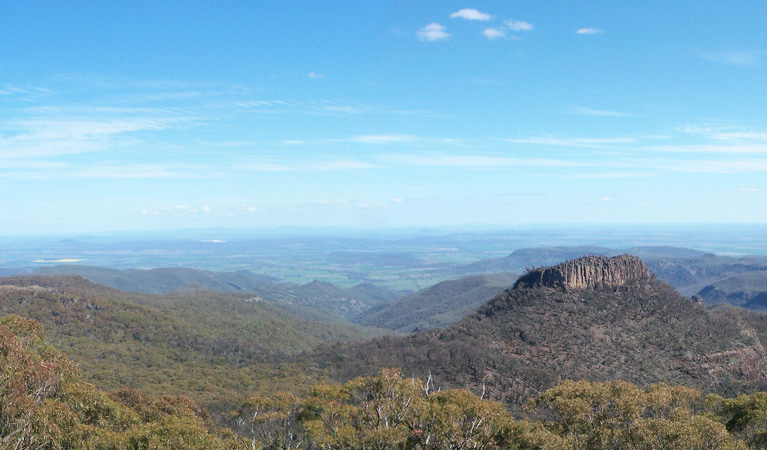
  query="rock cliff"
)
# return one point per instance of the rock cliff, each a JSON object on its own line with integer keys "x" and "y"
{"x": 586, "y": 272}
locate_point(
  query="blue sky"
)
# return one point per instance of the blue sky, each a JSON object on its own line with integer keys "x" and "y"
{"x": 184, "y": 114}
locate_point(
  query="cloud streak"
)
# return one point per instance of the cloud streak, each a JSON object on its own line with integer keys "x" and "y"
{"x": 471, "y": 14}
{"x": 433, "y": 32}
{"x": 479, "y": 161}
{"x": 518, "y": 25}
{"x": 582, "y": 111}
{"x": 573, "y": 142}
{"x": 741, "y": 58}
{"x": 589, "y": 31}
{"x": 493, "y": 33}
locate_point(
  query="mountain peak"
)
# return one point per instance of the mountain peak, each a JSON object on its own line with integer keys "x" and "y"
{"x": 586, "y": 272}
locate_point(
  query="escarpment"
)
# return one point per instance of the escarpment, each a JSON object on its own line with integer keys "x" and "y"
{"x": 586, "y": 272}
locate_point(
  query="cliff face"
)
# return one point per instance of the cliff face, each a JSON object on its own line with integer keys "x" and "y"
{"x": 586, "y": 272}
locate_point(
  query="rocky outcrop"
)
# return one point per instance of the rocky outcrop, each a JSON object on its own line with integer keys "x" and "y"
{"x": 586, "y": 272}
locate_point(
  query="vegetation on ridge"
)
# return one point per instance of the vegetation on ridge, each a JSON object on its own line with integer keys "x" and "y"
{"x": 215, "y": 347}
{"x": 44, "y": 405}
{"x": 525, "y": 341}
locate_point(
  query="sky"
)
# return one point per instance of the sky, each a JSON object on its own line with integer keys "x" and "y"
{"x": 146, "y": 115}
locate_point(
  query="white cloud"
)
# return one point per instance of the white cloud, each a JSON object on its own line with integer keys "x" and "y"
{"x": 315, "y": 75}
{"x": 317, "y": 166}
{"x": 748, "y": 190}
{"x": 588, "y": 31}
{"x": 732, "y": 133}
{"x": 732, "y": 57}
{"x": 54, "y": 137}
{"x": 470, "y": 14}
{"x": 723, "y": 149}
{"x": 480, "y": 161}
{"x": 573, "y": 142}
{"x": 121, "y": 172}
{"x": 518, "y": 25}
{"x": 596, "y": 112}
{"x": 382, "y": 138}
{"x": 180, "y": 210}
{"x": 493, "y": 33}
{"x": 433, "y": 32}
{"x": 740, "y": 136}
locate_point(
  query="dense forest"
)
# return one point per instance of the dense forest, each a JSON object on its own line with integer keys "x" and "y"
{"x": 594, "y": 353}
{"x": 45, "y": 405}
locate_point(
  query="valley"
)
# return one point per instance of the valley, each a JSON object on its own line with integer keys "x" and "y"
{"x": 228, "y": 341}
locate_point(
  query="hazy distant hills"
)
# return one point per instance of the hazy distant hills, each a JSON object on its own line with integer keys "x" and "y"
{"x": 606, "y": 324}
{"x": 162, "y": 280}
{"x": 437, "y": 306}
{"x": 207, "y": 344}
{"x": 11, "y": 271}
{"x": 594, "y": 317}
{"x": 371, "y": 303}
{"x": 521, "y": 259}
{"x": 690, "y": 275}
{"x": 319, "y": 295}
{"x": 687, "y": 270}
{"x": 748, "y": 289}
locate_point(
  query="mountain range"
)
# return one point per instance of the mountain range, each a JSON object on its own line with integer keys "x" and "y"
{"x": 594, "y": 318}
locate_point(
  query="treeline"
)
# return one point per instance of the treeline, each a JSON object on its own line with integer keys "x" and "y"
{"x": 45, "y": 405}
{"x": 391, "y": 412}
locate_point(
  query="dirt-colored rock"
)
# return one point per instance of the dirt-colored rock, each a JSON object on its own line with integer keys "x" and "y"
{"x": 587, "y": 272}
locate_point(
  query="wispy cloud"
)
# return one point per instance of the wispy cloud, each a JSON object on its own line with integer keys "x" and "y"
{"x": 433, "y": 32}
{"x": 742, "y": 58}
{"x": 382, "y": 138}
{"x": 595, "y": 112}
{"x": 589, "y": 31}
{"x": 493, "y": 33}
{"x": 308, "y": 166}
{"x": 181, "y": 210}
{"x": 573, "y": 142}
{"x": 470, "y": 14}
{"x": 722, "y": 149}
{"x": 315, "y": 75}
{"x": 728, "y": 133}
{"x": 47, "y": 138}
{"x": 122, "y": 171}
{"x": 479, "y": 161}
{"x": 518, "y": 25}
{"x": 729, "y": 166}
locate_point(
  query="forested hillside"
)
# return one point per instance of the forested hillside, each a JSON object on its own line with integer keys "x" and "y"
{"x": 530, "y": 337}
{"x": 319, "y": 295}
{"x": 437, "y": 306}
{"x": 212, "y": 346}
{"x": 45, "y": 405}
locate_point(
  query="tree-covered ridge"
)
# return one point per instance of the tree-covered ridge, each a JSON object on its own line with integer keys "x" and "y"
{"x": 212, "y": 346}
{"x": 44, "y": 405}
{"x": 526, "y": 340}
{"x": 437, "y": 306}
{"x": 343, "y": 302}
{"x": 389, "y": 411}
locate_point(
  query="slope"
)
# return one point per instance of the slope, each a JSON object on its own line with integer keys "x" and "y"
{"x": 594, "y": 318}
{"x": 439, "y": 305}
{"x": 318, "y": 295}
{"x": 210, "y": 345}
{"x": 748, "y": 289}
